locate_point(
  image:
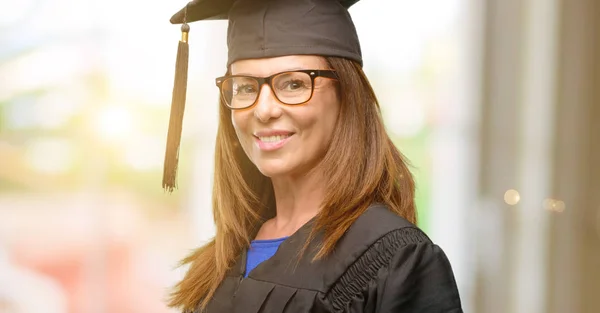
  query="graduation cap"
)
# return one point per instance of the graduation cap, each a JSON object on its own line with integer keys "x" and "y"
{"x": 260, "y": 29}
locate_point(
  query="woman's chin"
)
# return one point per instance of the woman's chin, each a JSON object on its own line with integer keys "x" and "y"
{"x": 274, "y": 169}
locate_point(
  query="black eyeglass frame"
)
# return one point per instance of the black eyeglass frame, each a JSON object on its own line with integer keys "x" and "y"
{"x": 269, "y": 81}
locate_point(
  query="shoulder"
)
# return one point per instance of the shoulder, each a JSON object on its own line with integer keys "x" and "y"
{"x": 381, "y": 250}
{"x": 369, "y": 245}
{"x": 378, "y": 225}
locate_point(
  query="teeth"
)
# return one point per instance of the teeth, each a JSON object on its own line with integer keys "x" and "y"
{"x": 272, "y": 138}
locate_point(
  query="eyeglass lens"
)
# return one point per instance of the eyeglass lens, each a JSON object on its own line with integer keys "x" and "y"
{"x": 289, "y": 88}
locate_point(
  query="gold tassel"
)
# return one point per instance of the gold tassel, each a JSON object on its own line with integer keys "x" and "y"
{"x": 177, "y": 107}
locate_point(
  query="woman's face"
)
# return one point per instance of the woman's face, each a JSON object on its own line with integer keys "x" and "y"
{"x": 284, "y": 140}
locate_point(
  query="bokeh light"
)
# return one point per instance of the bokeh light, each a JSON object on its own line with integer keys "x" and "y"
{"x": 512, "y": 197}
{"x": 554, "y": 205}
{"x": 114, "y": 123}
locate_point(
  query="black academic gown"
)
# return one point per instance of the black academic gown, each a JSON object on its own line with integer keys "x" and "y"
{"x": 383, "y": 264}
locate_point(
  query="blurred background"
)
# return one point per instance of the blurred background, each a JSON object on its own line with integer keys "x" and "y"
{"x": 495, "y": 102}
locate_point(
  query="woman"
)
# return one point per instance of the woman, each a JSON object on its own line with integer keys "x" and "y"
{"x": 313, "y": 204}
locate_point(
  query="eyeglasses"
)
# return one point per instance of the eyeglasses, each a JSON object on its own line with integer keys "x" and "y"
{"x": 292, "y": 87}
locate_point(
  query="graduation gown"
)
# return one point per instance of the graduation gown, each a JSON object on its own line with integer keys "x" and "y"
{"x": 383, "y": 264}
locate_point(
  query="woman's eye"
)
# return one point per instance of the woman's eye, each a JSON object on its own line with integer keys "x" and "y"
{"x": 245, "y": 89}
{"x": 292, "y": 85}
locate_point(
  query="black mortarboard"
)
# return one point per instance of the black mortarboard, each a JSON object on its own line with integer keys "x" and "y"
{"x": 261, "y": 29}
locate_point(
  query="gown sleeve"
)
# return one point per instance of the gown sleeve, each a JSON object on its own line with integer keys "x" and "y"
{"x": 419, "y": 279}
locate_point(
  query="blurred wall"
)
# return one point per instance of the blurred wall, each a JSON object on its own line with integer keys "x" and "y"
{"x": 575, "y": 239}
{"x": 539, "y": 249}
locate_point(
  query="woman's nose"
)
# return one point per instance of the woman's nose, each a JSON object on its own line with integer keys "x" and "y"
{"x": 267, "y": 106}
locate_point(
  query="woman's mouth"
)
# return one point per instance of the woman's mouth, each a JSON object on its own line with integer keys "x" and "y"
{"x": 273, "y": 142}
{"x": 273, "y": 138}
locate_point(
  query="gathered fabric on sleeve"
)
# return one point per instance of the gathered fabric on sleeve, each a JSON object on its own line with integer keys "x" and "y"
{"x": 402, "y": 272}
{"x": 419, "y": 279}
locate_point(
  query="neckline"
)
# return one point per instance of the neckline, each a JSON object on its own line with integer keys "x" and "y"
{"x": 283, "y": 246}
{"x": 275, "y": 240}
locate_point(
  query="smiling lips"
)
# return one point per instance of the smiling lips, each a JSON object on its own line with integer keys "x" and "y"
{"x": 272, "y": 140}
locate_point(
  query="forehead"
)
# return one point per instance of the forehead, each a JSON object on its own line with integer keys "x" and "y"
{"x": 269, "y": 66}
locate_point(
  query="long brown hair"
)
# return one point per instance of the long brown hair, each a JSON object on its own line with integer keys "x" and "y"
{"x": 361, "y": 155}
